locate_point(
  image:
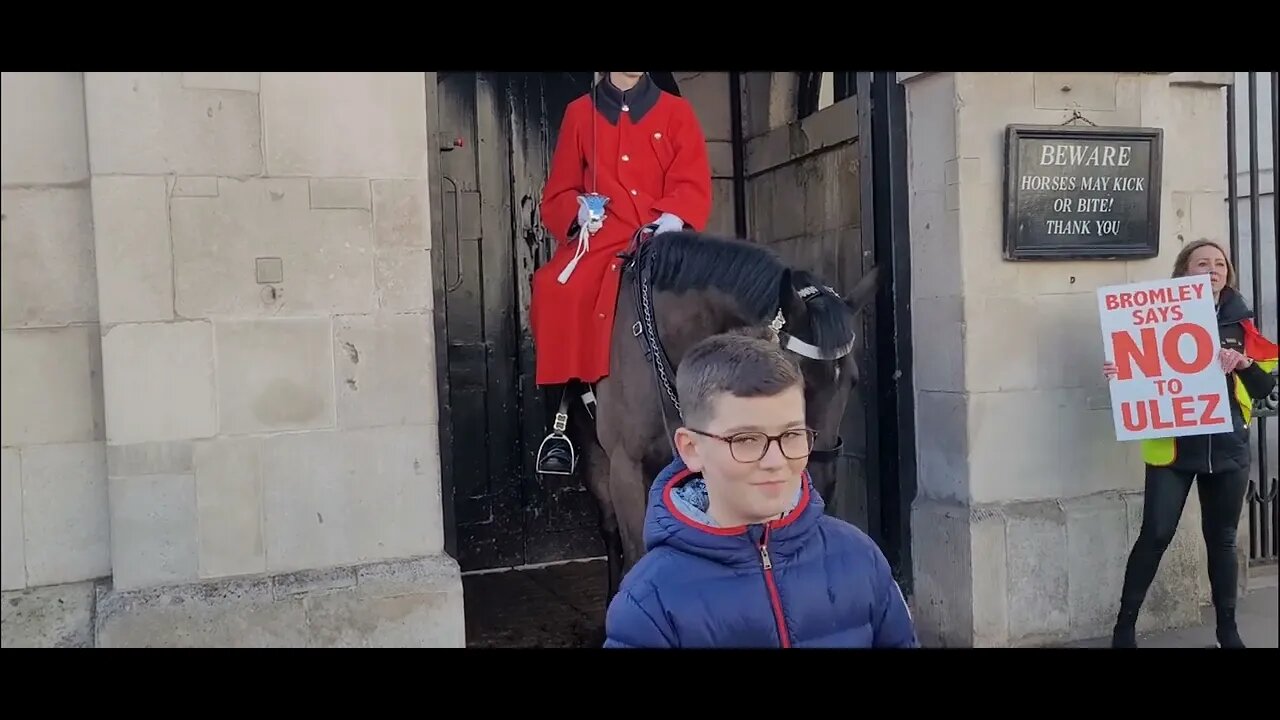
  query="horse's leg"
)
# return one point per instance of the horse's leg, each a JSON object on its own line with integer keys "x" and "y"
{"x": 628, "y": 492}
{"x": 594, "y": 462}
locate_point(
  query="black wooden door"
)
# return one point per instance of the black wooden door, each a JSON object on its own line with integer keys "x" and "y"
{"x": 493, "y": 135}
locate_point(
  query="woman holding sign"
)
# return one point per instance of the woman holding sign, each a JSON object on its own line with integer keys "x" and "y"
{"x": 1219, "y": 463}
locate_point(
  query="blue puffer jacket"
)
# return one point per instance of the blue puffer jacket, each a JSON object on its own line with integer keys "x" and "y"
{"x": 807, "y": 580}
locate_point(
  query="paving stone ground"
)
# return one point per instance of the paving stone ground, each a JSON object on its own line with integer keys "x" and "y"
{"x": 558, "y": 606}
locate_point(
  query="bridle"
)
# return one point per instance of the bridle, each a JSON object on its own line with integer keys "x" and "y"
{"x": 645, "y": 330}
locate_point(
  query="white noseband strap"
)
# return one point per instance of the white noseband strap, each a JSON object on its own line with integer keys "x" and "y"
{"x": 800, "y": 347}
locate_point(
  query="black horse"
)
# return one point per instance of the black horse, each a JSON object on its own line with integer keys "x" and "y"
{"x": 678, "y": 288}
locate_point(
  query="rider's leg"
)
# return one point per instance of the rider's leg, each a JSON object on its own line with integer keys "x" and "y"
{"x": 556, "y": 454}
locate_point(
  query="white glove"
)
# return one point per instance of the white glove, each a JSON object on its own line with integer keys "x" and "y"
{"x": 666, "y": 223}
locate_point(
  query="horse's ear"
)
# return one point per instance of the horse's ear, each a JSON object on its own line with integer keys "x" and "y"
{"x": 789, "y": 299}
{"x": 865, "y": 291}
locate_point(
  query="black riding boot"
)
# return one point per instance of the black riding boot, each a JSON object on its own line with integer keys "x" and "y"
{"x": 1228, "y": 634}
{"x": 1125, "y": 633}
{"x": 556, "y": 456}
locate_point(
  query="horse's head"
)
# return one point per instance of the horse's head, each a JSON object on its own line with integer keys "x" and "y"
{"x": 819, "y": 328}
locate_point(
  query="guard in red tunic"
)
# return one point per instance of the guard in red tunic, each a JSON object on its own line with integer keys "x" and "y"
{"x": 629, "y": 155}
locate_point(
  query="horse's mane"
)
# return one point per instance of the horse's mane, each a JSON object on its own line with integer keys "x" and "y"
{"x": 750, "y": 273}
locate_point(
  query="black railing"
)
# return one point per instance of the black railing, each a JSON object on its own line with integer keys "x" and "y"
{"x": 1254, "y": 262}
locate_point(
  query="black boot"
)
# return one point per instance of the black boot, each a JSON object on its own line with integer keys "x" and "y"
{"x": 1125, "y": 632}
{"x": 1228, "y": 634}
{"x": 556, "y": 455}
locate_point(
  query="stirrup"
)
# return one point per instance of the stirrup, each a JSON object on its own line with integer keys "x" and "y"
{"x": 557, "y": 434}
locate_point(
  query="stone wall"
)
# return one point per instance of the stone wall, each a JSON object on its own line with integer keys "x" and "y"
{"x": 259, "y": 264}
{"x": 708, "y": 93}
{"x": 56, "y": 527}
{"x": 1027, "y": 506}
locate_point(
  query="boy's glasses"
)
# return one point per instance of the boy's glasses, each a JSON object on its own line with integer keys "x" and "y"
{"x": 749, "y": 447}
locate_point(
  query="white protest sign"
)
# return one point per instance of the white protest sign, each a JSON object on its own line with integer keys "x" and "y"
{"x": 1163, "y": 337}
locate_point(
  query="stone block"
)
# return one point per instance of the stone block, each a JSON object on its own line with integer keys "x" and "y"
{"x": 52, "y": 385}
{"x": 401, "y": 214}
{"x": 158, "y": 382}
{"x": 986, "y": 103}
{"x": 938, "y": 322}
{"x": 720, "y": 158}
{"x": 326, "y": 505}
{"x": 785, "y": 202}
{"x": 327, "y": 255}
{"x": 1197, "y": 120}
{"x": 347, "y": 618}
{"x": 191, "y": 186}
{"x": 998, "y": 352}
{"x": 943, "y": 445}
{"x": 936, "y": 269}
{"x": 943, "y": 560}
{"x": 385, "y": 370}
{"x": 47, "y": 257}
{"x": 722, "y": 220}
{"x": 340, "y": 194}
{"x": 155, "y": 530}
{"x": 306, "y": 582}
{"x": 152, "y": 458}
{"x": 149, "y": 124}
{"x": 42, "y": 129}
{"x": 1175, "y": 229}
{"x": 1068, "y": 340}
{"x": 135, "y": 255}
{"x": 1090, "y": 460}
{"x": 1209, "y": 217}
{"x": 1204, "y": 79}
{"x": 404, "y": 281}
{"x": 760, "y": 221}
{"x": 1013, "y": 445}
{"x": 1036, "y": 541}
{"x": 931, "y": 129}
{"x": 13, "y": 558}
{"x": 1076, "y": 90}
{"x": 1128, "y": 103}
{"x": 1097, "y": 549}
{"x": 380, "y": 116}
{"x": 415, "y": 602}
{"x": 831, "y": 189}
{"x": 1154, "y": 98}
{"x": 54, "y": 616}
{"x": 275, "y": 375}
{"x": 229, "y": 506}
{"x": 708, "y": 92}
{"x": 238, "y": 613}
{"x": 991, "y": 596}
{"x": 64, "y": 513}
{"x": 1067, "y": 278}
{"x": 242, "y": 81}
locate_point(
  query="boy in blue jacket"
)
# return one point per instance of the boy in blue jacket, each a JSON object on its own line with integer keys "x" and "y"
{"x": 739, "y": 550}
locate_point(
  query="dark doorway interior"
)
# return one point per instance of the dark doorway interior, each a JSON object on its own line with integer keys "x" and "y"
{"x": 526, "y": 547}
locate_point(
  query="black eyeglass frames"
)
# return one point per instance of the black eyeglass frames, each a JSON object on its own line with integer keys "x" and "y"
{"x": 749, "y": 447}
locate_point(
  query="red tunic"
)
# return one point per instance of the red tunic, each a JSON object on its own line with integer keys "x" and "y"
{"x": 652, "y": 158}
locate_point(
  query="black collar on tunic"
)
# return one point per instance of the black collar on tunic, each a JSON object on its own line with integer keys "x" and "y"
{"x": 609, "y": 100}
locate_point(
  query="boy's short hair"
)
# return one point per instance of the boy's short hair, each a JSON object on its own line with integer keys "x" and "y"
{"x": 746, "y": 362}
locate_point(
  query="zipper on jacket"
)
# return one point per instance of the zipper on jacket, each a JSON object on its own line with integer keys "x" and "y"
{"x": 775, "y": 600}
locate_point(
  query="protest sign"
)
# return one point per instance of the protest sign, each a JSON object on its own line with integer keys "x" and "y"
{"x": 1163, "y": 337}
